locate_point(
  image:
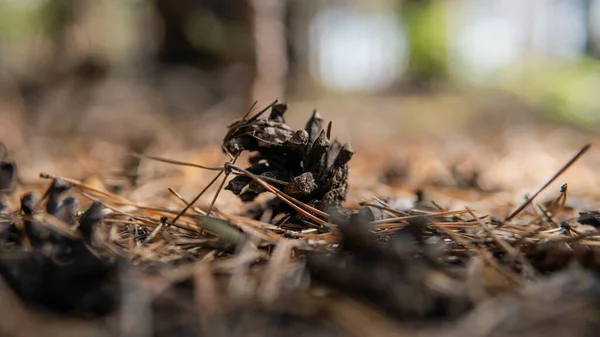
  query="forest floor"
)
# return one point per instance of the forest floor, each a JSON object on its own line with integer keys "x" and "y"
{"x": 432, "y": 239}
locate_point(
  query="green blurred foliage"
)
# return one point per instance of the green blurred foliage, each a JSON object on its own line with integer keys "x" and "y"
{"x": 566, "y": 91}
{"x": 18, "y": 21}
{"x": 425, "y": 26}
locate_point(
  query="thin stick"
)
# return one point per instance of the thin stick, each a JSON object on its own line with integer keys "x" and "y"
{"x": 558, "y": 202}
{"x": 250, "y": 110}
{"x": 176, "y": 162}
{"x": 484, "y": 254}
{"x": 197, "y": 197}
{"x": 258, "y": 114}
{"x": 390, "y": 208}
{"x": 87, "y": 187}
{"x": 272, "y": 180}
{"x": 561, "y": 171}
{"x": 508, "y": 248}
{"x": 212, "y": 203}
{"x": 156, "y": 230}
{"x": 178, "y": 196}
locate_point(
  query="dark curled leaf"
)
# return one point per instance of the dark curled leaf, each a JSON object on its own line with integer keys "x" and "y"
{"x": 302, "y": 185}
{"x": 314, "y": 126}
{"x": 90, "y": 219}
{"x": 589, "y": 218}
{"x": 7, "y": 176}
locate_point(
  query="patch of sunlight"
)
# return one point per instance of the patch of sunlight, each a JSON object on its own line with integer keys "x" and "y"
{"x": 356, "y": 52}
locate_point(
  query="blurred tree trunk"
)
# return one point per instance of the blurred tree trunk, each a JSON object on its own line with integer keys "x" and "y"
{"x": 271, "y": 49}
{"x": 174, "y": 45}
{"x": 211, "y": 35}
{"x": 592, "y": 49}
{"x": 424, "y": 21}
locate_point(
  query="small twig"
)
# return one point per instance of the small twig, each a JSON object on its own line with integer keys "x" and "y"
{"x": 87, "y": 187}
{"x": 269, "y": 179}
{"x": 178, "y": 196}
{"x": 172, "y": 161}
{"x": 390, "y": 208}
{"x": 258, "y": 114}
{"x": 484, "y": 254}
{"x": 514, "y": 254}
{"x": 227, "y": 173}
{"x": 250, "y": 110}
{"x": 197, "y": 196}
{"x": 158, "y": 228}
{"x": 561, "y": 171}
{"x": 559, "y": 202}
{"x": 546, "y": 213}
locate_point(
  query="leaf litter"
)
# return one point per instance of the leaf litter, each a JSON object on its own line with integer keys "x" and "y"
{"x": 299, "y": 263}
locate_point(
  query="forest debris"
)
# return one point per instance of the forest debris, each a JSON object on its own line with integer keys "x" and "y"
{"x": 7, "y": 171}
{"x": 395, "y": 278}
{"x": 398, "y": 266}
{"x": 591, "y": 218}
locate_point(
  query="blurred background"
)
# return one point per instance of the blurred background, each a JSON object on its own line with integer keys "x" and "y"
{"x": 153, "y": 75}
